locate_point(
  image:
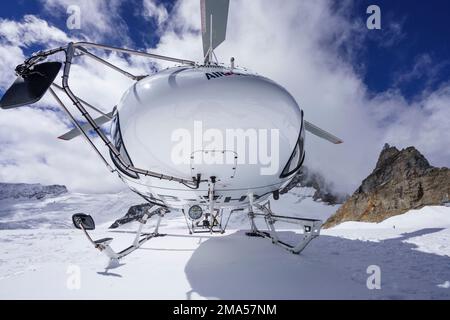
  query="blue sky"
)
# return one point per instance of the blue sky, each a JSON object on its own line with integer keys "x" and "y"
{"x": 139, "y": 29}
{"x": 424, "y": 33}
{"x": 366, "y": 86}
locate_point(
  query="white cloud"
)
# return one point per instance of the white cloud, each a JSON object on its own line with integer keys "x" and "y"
{"x": 100, "y": 19}
{"x": 15, "y": 36}
{"x": 11, "y": 56}
{"x": 156, "y": 11}
{"x": 30, "y": 30}
{"x": 423, "y": 123}
{"x": 425, "y": 69}
{"x": 30, "y": 152}
{"x": 29, "y": 148}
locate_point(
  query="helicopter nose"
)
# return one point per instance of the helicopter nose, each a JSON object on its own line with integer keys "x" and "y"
{"x": 246, "y": 116}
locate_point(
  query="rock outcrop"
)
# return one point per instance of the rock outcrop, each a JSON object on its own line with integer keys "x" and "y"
{"x": 401, "y": 181}
{"x": 306, "y": 177}
{"x": 134, "y": 213}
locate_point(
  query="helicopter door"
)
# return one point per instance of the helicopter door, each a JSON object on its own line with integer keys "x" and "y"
{"x": 218, "y": 163}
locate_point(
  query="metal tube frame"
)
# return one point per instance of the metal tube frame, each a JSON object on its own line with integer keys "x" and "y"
{"x": 133, "y": 52}
{"x": 103, "y": 245}
{"x": 69, "y": 51}
{"x": 84, "y": 134}
{"x": 311, "y": 227}
{"x": 98, "y": 59}
{"x": 84, "y": 102}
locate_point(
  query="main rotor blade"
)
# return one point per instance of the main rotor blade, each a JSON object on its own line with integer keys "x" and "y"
{"x": 214, "y": 15}
{"x": 321, "y": 133}
{"x": 75, "y": 132}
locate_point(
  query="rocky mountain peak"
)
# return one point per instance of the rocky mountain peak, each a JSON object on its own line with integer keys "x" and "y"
{"x": 402, "y": 180}
{"x": 390, "y": 155}
{"x": 396, "y": 165}
{"x": 387, "y": 153}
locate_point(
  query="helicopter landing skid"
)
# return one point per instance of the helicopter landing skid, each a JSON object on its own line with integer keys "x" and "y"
{"x": 311, "y": 228}
{"x": 103, "y": 245}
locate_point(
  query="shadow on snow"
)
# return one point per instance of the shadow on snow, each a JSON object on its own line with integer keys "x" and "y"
{"x": 238, "y": 267}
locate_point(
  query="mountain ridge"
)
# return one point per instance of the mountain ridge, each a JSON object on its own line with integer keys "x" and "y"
{"x": 30, "y": 191}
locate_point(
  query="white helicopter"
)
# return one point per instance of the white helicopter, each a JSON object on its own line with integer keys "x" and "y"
{"x": 173, "y": 135}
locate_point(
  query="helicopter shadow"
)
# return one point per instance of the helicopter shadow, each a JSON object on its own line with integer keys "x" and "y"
{"x": 237, "y": 267}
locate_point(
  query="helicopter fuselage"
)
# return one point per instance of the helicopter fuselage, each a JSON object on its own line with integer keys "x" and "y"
{"x": 240, "y": 130}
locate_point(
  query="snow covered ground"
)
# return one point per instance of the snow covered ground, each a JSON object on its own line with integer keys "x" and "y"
{"x": 56, "y": 212}
{"x": 412, "y": 252}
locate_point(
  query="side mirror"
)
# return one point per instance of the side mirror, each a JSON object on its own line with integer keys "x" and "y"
{"x": 31, "y": 87}
{"x": 83, "y": 220}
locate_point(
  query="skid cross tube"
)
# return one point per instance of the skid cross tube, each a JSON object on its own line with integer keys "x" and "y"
{"x": 140, "y": 238}
{"x": 311, "y": 227}
{"x": 103, "y": 245}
